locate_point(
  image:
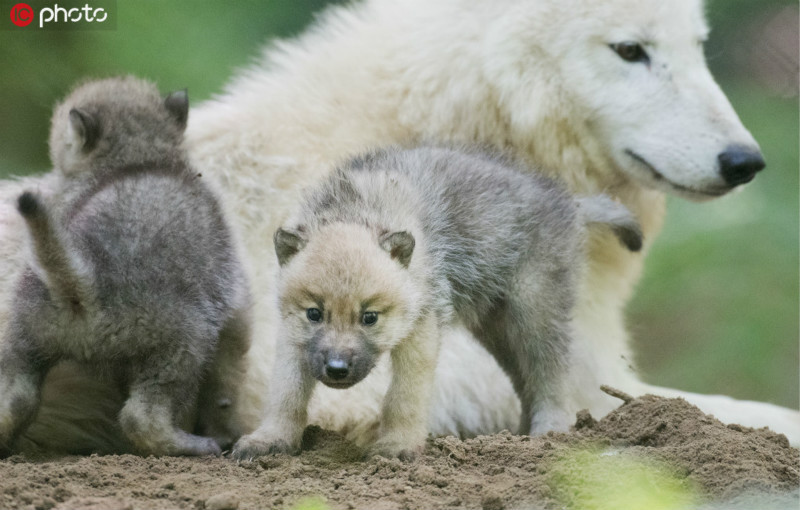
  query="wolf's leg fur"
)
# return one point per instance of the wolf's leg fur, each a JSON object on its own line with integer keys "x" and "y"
{"x": 404, "y": 416}
{"x": 219, "y": 402}
{"x": 20, "y": 384}
{"x": 286, "y": 415}
{"x": 159, "y": 396}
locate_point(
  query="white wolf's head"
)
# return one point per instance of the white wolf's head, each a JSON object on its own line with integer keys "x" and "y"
{"x": 631, "y": 74}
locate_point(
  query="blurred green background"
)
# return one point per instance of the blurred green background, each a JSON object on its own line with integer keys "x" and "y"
{"x": 717, "y": 309}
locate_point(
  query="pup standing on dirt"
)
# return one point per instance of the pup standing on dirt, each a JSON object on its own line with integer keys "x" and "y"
{"x": 390, "y": 249}
{"x": 134, "y": 273}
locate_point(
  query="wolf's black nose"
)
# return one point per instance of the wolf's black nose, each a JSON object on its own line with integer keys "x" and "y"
{"x": 336, "y": 369}
{"x": 739, "y": 165}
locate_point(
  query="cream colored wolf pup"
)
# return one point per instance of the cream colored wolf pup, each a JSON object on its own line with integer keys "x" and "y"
{"x": 389, "y": 249}
{"x": 133, "y": 275}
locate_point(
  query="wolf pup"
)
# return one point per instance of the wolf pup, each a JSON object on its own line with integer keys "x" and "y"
{"x": 133, "y": 273}
{"x": 397, "y": 245}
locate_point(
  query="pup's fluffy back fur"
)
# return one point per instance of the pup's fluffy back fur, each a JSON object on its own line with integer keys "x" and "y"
{"x": 469, "y": 218}
{"x": 475, "y": 206}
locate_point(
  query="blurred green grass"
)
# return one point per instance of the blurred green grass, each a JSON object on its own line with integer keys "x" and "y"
{"x": 613, "y": 480}
{"x": 717, "y": 310}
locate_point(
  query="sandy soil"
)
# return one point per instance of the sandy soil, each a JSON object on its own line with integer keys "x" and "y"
{"x": 650, "y": 450}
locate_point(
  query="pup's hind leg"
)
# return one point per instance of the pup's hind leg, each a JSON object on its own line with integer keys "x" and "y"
{"x": 159, "y": 395}
{"x": 218, "y": 403}
{"x": 529, "y": 334}
{"x": 406, "y": 407}
{"x": 20, "y": 389}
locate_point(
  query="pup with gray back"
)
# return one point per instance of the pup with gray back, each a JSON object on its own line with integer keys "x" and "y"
{"x": 399, "y": 244}
{"x": 133, "y": 273}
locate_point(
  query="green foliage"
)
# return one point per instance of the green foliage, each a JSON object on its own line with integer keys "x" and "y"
{"x": 311, "y": 503}
{"x": 597, "y": 480}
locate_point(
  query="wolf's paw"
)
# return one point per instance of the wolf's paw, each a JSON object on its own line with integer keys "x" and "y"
{"x": 250, "y": 447}
{"x": 394, "y": 450}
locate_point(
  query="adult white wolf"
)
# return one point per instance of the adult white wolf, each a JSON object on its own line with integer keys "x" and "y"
{"x": 610, "y": 96}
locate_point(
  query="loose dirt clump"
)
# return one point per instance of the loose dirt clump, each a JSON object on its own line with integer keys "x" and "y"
{"x": 649, "y": 447}
{"x": 724, "y": 460}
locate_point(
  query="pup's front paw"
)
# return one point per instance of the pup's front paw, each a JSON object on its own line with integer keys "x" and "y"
{"x": 249, "y": 447}
{"x": 394, "y": 450}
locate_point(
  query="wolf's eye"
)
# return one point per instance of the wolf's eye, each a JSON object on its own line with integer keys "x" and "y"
{"x": 314, "y": 314}
{"x": 369, "y": 318}
{"x": 631, "y": 52}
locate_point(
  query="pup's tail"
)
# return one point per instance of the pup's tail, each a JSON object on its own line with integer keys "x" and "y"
{"x": 67, "y": 275}
{"x": 602, "y": 209}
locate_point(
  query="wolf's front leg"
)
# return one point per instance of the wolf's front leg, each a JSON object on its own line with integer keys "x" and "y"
{"x": 281, "y": 430}
{"x": 20, "y": 383}
{"x": 404, "y": 419}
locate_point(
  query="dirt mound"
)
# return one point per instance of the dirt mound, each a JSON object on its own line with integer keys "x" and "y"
{"x": 650, "y": 450}
{"x": 724, "y": 460}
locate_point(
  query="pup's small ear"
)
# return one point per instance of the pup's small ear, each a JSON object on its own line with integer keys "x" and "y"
{"x": 287, "y": 244}
{"x": 177, "y": 104}
{"x": 85, "y": 129}
{"x": 400, "y": 246}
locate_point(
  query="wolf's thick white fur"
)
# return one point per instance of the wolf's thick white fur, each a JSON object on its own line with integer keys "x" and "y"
{"x": 534, "y": 77}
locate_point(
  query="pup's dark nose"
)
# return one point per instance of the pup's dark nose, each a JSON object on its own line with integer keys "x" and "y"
{"x": 336, "y": 369}
{"x": 739, "y": 165}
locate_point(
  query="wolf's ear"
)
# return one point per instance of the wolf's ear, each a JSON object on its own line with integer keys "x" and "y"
{"x": 177, "y": 104}
{"x": 400, "y": 246}
{"x": 85, "y": 129}
{"x": 287, "y": 244}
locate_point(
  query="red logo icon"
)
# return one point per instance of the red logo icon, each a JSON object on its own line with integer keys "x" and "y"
{"x": 21, "y": 15}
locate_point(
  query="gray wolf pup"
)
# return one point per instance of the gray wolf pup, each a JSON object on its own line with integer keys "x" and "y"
{"x": 133, "y": 273}
{"x": 396, "y": 245}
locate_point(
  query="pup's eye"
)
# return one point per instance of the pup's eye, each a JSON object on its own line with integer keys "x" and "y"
{"x": 314, "y": 314}
{"x": 631, "y": 51}
{"x": 369, "y": 318}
